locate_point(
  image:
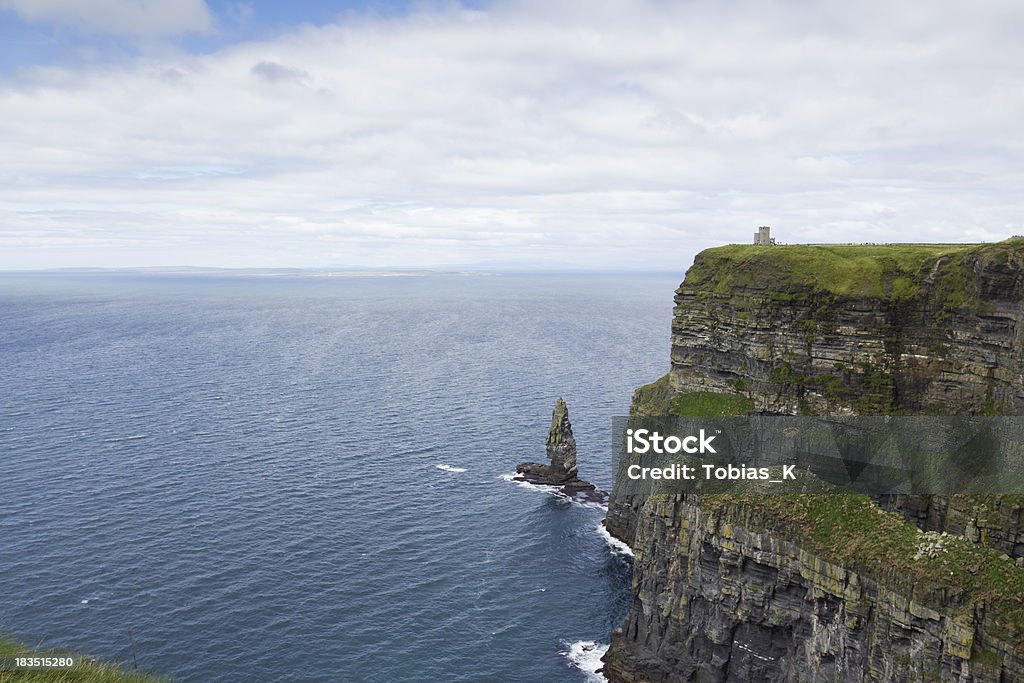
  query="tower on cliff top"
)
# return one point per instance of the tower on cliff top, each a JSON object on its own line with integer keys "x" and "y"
{"x": 763, "y": 236}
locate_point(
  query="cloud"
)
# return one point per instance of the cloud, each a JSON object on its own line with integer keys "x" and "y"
{"x": 118, "y": 17}
{"x": 276, "y": 73}
{"x": 613, "y": 134}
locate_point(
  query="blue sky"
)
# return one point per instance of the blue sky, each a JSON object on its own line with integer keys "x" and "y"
{"x": 517, "y": 133}
{"x": 58, "y": 37}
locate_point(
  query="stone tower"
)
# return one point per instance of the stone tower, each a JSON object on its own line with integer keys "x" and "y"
{"x": 763, "y": 236}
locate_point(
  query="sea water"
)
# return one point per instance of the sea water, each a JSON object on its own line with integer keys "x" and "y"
{"x": 304, "y": 478}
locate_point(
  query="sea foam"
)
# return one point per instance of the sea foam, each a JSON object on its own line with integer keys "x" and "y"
{"x": 555, "y": 491}
{"x": 586, "y": 655}
{"x": 617, "y": 547}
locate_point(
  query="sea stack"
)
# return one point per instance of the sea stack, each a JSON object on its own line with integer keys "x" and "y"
{"x": 561, "y": 444}
{"x": 561, "y": 449}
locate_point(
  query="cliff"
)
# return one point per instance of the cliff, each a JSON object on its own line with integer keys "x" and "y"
{"x": 857, "y": 329}
{"x": 836, "y": 587}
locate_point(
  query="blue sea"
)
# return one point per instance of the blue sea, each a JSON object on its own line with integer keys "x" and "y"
{"x": 300, "y": 478}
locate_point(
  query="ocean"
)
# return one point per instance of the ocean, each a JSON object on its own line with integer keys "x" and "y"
{"x": 301, "y": 478}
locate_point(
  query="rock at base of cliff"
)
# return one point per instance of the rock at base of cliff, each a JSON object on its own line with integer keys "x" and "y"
{"x": 536, "y": 473}
{"x": 574, "y": 488}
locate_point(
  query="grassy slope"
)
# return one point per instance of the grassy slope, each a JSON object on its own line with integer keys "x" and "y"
{"x": 884, "y": 271}
{"x": 92, "y": 672}
{"x": 657, "y": 398}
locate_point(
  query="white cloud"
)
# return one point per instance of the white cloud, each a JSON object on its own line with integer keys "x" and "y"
{"x": 613, "y": 134}
{"x": 274, "y": 72}
{"x": 118, "y": 17}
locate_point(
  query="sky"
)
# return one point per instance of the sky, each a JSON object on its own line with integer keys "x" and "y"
{"x": 536, "y": 134}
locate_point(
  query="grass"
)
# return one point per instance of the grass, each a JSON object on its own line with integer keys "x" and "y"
{"x": 88, "y": 671}
{"x": 653, "y": 399}
{"x": 710, "y": 403}
{"x": 658, "y": 398}
{"x": 890, "y": 271}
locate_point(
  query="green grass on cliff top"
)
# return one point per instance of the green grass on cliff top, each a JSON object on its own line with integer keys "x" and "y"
{"x": 869, "y": 270}
{"x": 87, "y": 672}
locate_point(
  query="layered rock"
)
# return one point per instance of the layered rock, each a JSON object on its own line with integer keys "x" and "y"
{"x": 725, "y": 593}
{"x": 561, "y": 451}
{"x": 990, "y": 521}
{"x": 825, "y": 330}
{"x": 741, "y": 592}
{"x": 560, "y": 444}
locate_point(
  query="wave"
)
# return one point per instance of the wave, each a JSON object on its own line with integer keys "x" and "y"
{"x": 118, "y": 439}
{"x": 586, "y": 655}
{"x": 449, "y": 468}
{"x": 555, "y": 491}
{"x": 543, "y": 488}
{"x": 617, "y": 547}
{"x": 591, "y": 504}
{"x": 416, "y": 451}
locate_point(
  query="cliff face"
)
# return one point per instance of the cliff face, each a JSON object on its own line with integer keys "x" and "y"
{"x": 736, "y": 589}
{"x": 865, "y": 330}
{"x": 722, "y": 595}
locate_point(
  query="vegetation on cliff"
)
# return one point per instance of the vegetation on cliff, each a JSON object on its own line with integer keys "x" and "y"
{"x": 941, "y": 571}
{"x": 88, "y": 671}
{"x": 657, "y": 398}
{"x": 890, "y": 271}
